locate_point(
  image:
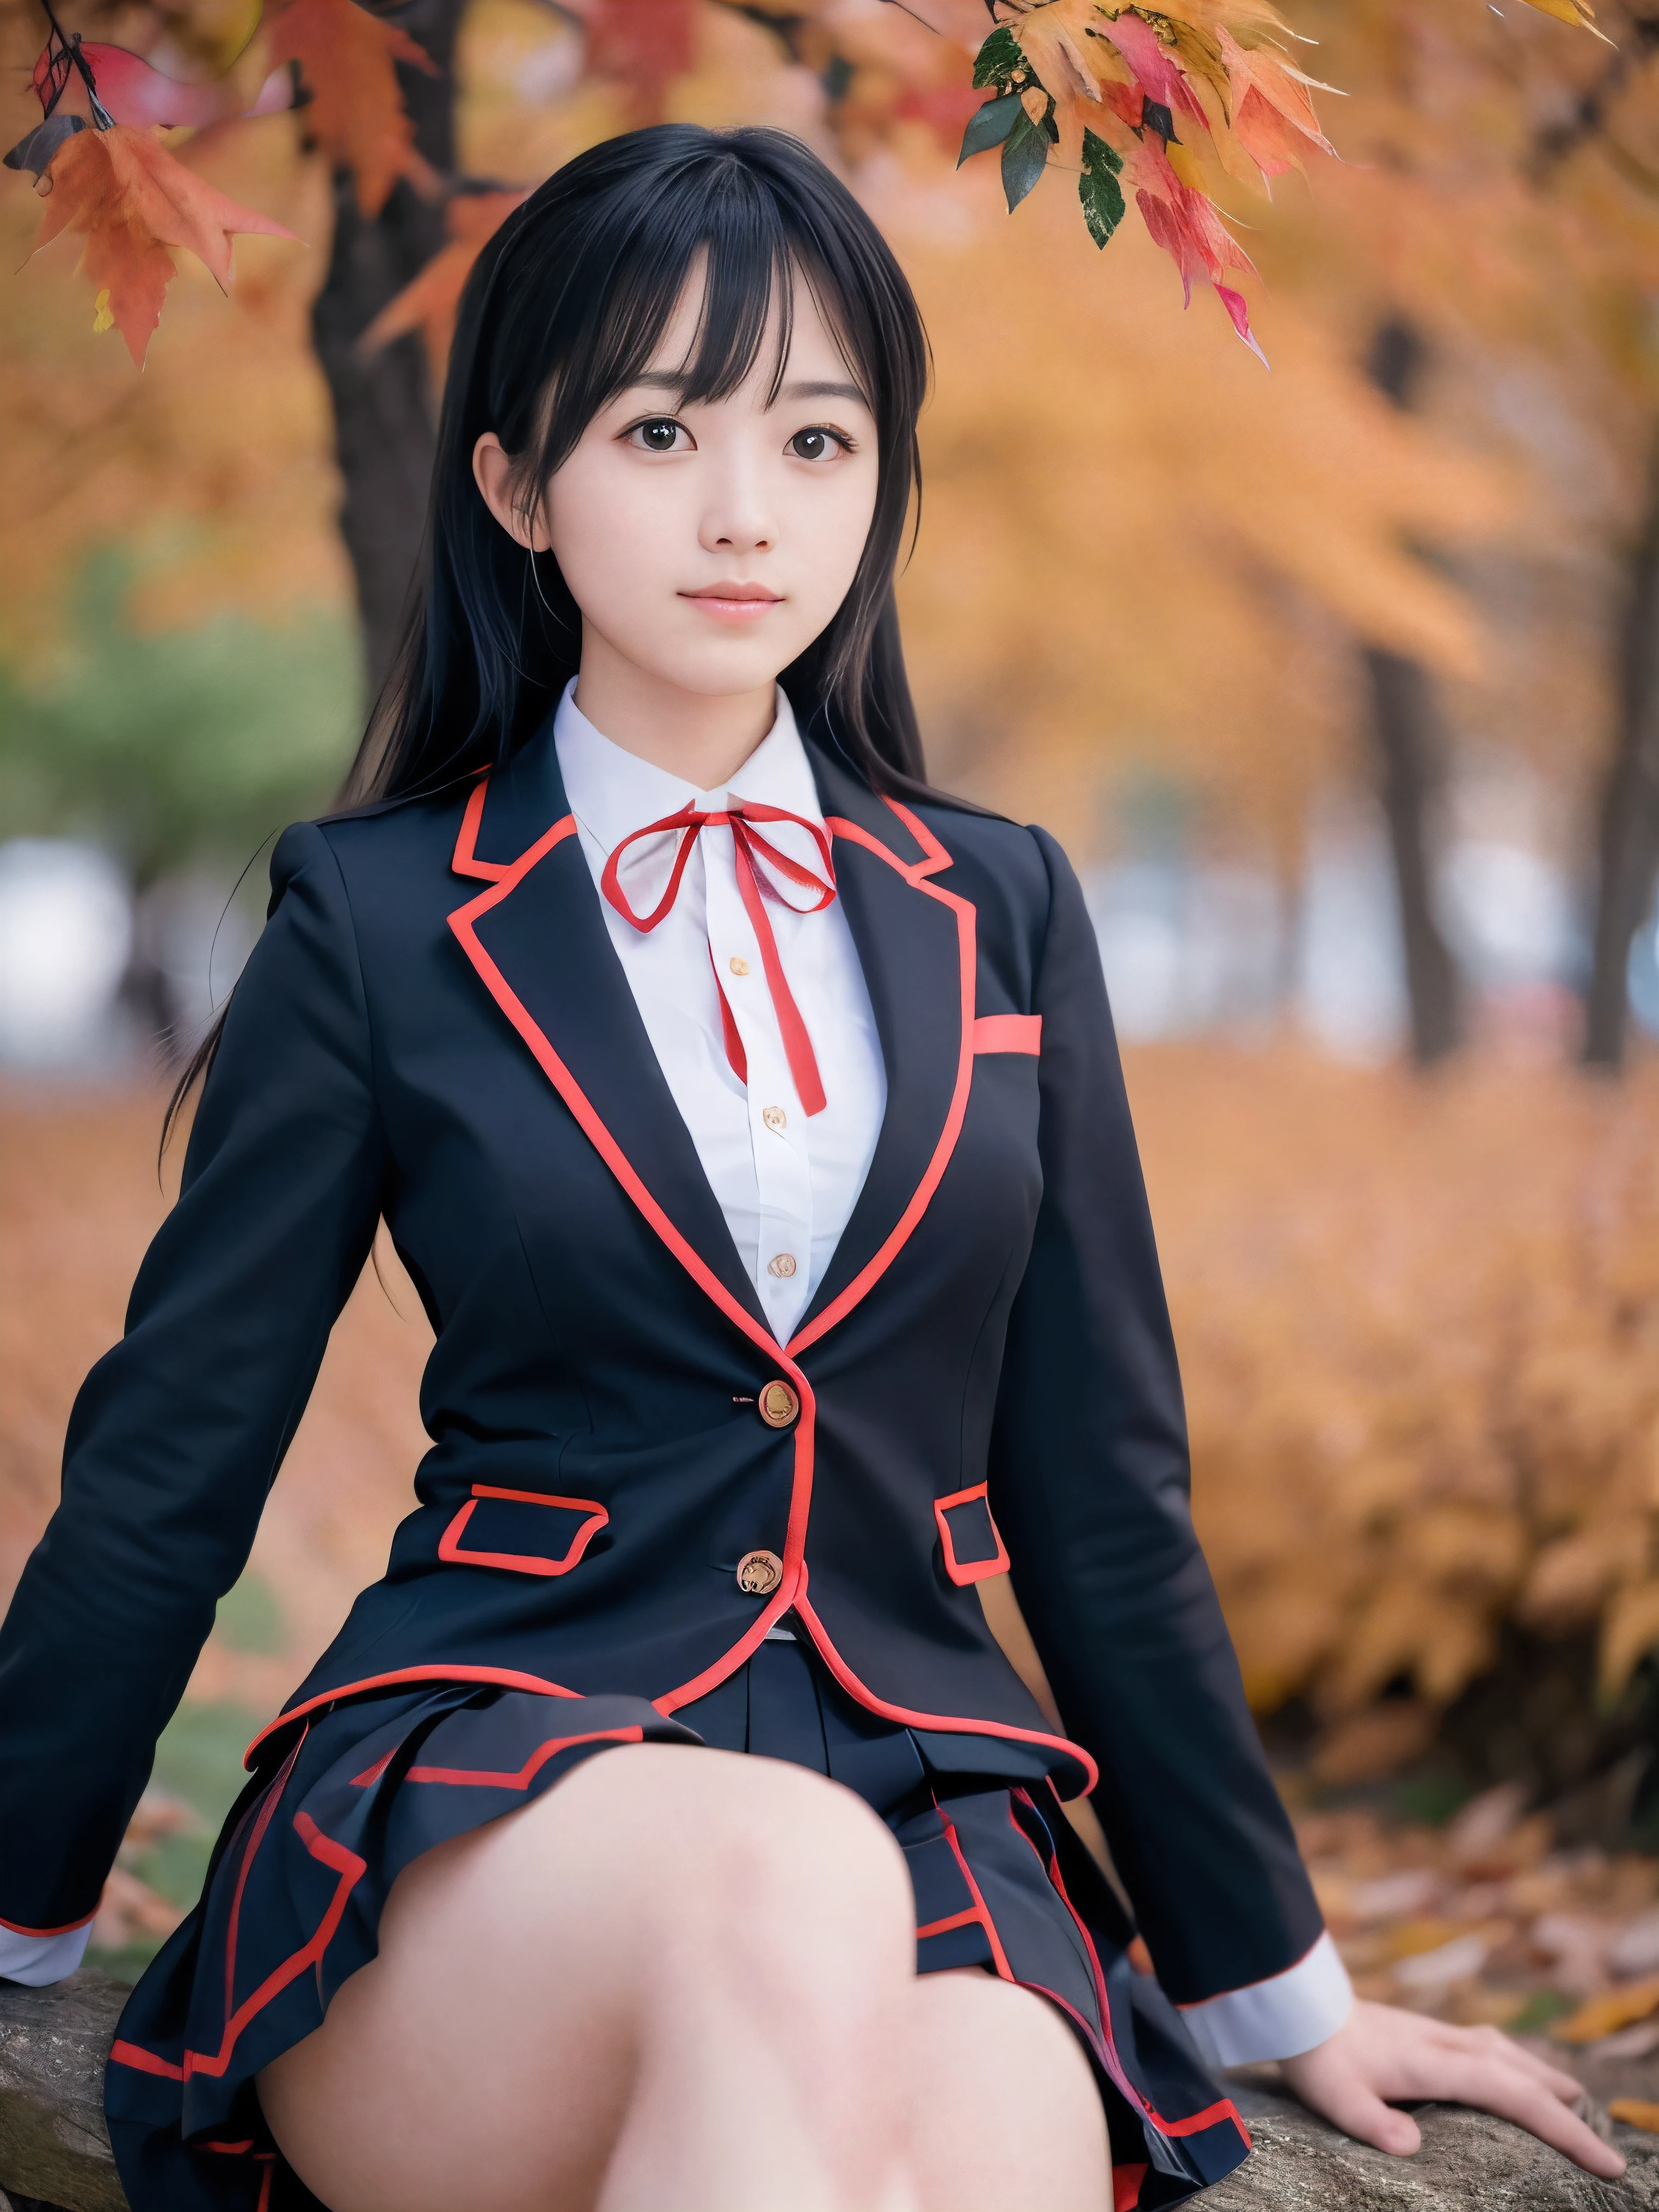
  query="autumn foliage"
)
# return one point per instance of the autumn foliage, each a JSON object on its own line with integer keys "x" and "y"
{"x": 133, "y": 204}
{"x": 1168, "y": 108}
{"x": 1420, "y": 1330}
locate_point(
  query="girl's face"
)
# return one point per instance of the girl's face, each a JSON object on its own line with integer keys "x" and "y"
{"x": 707, "y": 545}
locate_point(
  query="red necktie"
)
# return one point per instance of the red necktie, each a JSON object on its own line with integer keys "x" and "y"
{"x": 749, "y": 849}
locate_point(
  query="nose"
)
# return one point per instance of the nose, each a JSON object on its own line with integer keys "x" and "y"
{"x": 736, "y": 515}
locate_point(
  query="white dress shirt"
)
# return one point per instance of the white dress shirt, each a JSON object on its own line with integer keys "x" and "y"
{"x": 786, "y": 1181}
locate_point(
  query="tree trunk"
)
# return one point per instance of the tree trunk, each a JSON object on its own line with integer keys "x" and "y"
{"x": 1411, "y": 748}
{"x": 383, "y": 411}
{"x": 1630, "y": 806}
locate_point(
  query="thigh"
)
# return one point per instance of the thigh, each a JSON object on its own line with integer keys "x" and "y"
{"x": 486, "y": 2059}
{"x": 1008, "y": 2117}
{"x": 499, "y": 1992}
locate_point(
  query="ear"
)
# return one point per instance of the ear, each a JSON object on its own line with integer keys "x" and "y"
{"x": 492, "y": 471}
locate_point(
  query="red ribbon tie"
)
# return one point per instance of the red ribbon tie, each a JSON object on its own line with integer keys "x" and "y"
{"x": 751, "y": 851}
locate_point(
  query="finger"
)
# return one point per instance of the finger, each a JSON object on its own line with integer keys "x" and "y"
{"x": 1491, "y": 2085}
{"x": 1492, "y": 2043}
{"x": 1347, "y": 2104}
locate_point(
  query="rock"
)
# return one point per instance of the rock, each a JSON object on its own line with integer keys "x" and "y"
{"x": 54, "y": 2151}
{"x": 53, "y": 2043}
{"x": 1468, "y": 2163}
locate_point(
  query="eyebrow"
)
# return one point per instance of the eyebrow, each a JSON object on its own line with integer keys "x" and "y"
{"x": 657, "y": 380}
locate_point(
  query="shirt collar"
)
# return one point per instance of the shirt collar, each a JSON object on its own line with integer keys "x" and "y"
{"x": 613, "y": 793}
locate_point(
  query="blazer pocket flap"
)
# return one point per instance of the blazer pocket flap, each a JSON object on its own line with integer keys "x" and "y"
{"x": 526, "y": 1531}
{"x": 969, "y": 1538}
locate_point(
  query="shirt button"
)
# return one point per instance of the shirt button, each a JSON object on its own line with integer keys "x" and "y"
{"x": 778, "y": 1405}
{"x": 781, "y": 1264}
{"x": 774, "y": 1116}
{"x": 759, "y": 1573}
{"x": 738, "y": 964}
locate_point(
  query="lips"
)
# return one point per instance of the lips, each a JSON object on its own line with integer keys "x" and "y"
{"x": 739, "y": 603}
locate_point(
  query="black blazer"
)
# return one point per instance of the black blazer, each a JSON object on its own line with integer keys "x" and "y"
{"x": 433, "y": 1028}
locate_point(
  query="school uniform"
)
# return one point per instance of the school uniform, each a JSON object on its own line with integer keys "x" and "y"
{"x": 762, "y": 1162}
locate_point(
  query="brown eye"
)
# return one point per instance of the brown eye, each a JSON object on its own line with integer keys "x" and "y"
{"x": 659, "y": 437}
{"x": 809, "y": 445}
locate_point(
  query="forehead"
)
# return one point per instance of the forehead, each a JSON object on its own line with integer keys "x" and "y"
{"x": 768, "y": 340}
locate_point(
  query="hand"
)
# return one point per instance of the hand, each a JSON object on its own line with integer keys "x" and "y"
{"x": 1381, "y": 2052}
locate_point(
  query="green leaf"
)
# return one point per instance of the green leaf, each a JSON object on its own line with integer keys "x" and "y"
{"x": 990, "y": 125}
{"x": 1000, "y": 61}
{"x": 1098, "y": 188}
{"x": 1024, "y": 157}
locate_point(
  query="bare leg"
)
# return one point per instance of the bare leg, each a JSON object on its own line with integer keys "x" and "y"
{"x": 1007, "y": 2115}
{"x": 681, "y": 1982}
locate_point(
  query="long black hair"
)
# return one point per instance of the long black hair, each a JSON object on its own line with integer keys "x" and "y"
{"x": 564, "y": 307}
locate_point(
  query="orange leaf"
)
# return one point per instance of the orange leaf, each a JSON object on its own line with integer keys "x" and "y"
{"x": 641, "y": 44}
{"x": 1607, "y": 2014}
{"x": 1635, "y": 2112}
{"x": 125, "y": 194}
{"x": 356, "y": 113}
{"x": 427, "y": 304}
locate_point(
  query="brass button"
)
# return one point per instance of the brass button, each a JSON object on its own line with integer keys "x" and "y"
{"x": 759, "y": 1573}
{"x": 778, "y": 1405}
{"x": 774, "y": 1116}
{"x": 738, "y": 964}
{"x": 782, "y": 1263}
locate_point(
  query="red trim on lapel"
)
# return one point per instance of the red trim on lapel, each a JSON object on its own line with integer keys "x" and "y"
{"x": 934, "y": 857}
{"x": 1008, "y": 1033}
{"x": 522, "y": 1563}
{"x": 464, "y": 860}
{"x": 947, "y": 1723}
{"x": 463, "y": 922}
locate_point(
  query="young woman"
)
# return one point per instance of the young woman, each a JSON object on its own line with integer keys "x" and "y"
{"x": 666, "y": 1832}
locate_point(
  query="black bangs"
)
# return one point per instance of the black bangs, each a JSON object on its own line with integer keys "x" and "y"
{"x": 567, "y": 306}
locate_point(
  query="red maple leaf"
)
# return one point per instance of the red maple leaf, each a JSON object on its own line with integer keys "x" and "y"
{"x": 124, "y": 193}
{"x": 429, "y": 303}
{"x": 357, "y": 115}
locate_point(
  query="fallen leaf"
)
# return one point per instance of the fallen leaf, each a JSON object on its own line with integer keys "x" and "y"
{"x": 1635, "y": 2112}
{"x": 125, "y": 194}
{"x": 1606, "y": 2016}
{"x": 1410, "y": 1938}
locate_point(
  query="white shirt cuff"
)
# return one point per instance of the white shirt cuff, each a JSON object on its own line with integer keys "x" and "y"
{"x": 38, "y": 1959}
{"x": 1280, "y": 2018}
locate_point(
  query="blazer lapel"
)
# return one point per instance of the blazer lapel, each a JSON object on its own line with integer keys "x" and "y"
{"x": 916, "y": 942}
{"x": 537, "y": 939}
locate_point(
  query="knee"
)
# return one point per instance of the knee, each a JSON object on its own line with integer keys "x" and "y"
{"x": 787, "y": 1870}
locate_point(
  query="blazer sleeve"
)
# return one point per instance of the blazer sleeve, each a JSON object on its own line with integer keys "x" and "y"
{"x": 178, "y": 1433}
{"x": 1089, "y": 1482}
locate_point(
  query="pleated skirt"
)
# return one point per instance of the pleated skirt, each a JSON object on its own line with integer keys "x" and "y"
{"x": 292, "y": 1899}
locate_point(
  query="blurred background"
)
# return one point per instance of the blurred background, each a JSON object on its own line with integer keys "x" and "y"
{"x": 1339, "y": 684}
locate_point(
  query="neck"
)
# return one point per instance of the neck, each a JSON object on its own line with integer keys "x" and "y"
{"x": 703, "y": 738}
